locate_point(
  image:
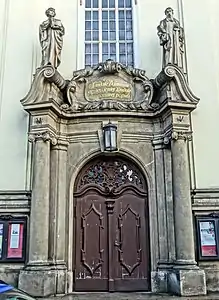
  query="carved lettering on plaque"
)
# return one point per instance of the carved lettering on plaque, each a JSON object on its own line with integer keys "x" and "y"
{"x": 106, "y": 89}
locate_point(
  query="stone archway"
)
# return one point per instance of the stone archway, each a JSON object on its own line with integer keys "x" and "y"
{"x": 111, "y": 227}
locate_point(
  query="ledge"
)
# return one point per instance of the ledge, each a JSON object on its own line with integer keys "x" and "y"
{"x": 205, "y": 199}
{"x": 15, "y": 201}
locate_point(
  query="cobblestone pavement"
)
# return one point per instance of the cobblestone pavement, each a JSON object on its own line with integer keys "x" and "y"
{"x": 129, "y": 296}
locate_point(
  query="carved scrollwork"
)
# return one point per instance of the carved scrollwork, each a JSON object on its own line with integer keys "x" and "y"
{"x": 177, "y": 135}
{"x": 44, "y": 136}
{"x": 111, "y": 174}
{"x": 109, "y": 67}
{"x": 172, "y": 72}
{"x": 181, "y": 135}
{"x": 124, "y": 88}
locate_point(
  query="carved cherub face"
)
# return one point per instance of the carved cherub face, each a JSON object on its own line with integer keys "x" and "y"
{"x": 50, "y": 12}
{"x": 169, "y": 12}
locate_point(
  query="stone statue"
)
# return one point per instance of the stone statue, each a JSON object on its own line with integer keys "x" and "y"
{"x": 172, "y": 39}
{"x": 51, "y": 34}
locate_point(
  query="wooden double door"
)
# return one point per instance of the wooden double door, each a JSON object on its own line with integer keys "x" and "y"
{"x": 111, "y": 229}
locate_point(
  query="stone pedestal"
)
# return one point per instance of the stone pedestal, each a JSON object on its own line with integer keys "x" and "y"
{"x": 186, "y": 278}
{"x": 187, "y": 282}
{"x": 38, "y": 281}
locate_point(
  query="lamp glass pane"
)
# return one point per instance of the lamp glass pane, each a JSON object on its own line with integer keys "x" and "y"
{"x": 107, "y": 139}
{"x": 113, "y": 139}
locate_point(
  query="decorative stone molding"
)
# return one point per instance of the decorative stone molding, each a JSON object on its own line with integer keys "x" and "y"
{"x": 15, "y": 201}
{"x": 61, "y": 145}
{"x": 181, "y": 135}
{"x": 177, "y": 135}
{"x": 41, "y": 90}
{"x": 109, "y": 87}
{"x": 171, "y": 72}
{"x": 44, "y": 136}
{"x": 54, "y": 76}
{"x": 126, "y": 88}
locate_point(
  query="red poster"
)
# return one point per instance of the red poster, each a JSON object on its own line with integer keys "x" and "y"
{"x": 15, "y": 240}
{"x": 209, "y": 250}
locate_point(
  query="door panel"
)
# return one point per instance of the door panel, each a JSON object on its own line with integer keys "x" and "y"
{"x": 131, "y": 249}
{"x": 91, "y": 240}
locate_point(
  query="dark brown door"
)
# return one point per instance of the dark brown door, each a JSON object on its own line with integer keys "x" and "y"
{"x": 112, "y": 242}
{"x": 91, "y": 243}
{"x": 131, "y": 257}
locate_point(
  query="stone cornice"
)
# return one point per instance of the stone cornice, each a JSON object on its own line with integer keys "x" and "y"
{"x": 66, "y": 98}
{"x": 15, "y": 201}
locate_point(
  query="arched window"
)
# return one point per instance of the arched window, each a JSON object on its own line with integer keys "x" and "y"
{"x": 108, "y": 31}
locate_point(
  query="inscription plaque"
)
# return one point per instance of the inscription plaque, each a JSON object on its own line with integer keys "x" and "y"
{"x": 108, "y": 89}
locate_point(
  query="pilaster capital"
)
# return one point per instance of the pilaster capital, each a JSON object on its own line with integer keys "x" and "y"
{"x": 176, "y": 135}
{"x": 43, "y": 136}
{"x": 61, "y": 145}
{"x": 158, "y": 143}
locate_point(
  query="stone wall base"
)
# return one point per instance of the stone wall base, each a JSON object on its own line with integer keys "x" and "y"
{"x": 187, "y": 282}
{"x": 43, "y": 283}
{"x": 159, "y": 281}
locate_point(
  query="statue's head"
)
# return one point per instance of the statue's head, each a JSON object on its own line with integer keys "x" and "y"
{"x": 50, "y": 12}
{"x": 169, "y": 12}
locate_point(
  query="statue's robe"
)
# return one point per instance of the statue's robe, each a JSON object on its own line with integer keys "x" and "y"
{"x": 171, "y": 38}
{"x": 51, "y": 39}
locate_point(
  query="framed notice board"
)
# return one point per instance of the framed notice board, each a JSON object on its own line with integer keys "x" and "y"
{"x": 208, "y": 238}
{"x": 12, "y": 238}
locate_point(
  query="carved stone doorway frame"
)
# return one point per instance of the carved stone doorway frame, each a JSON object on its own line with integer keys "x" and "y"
{"x": 153, "y": 118}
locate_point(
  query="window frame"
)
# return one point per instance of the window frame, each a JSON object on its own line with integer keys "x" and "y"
{"x": 7, "y": 221}
{"x": 210, "y": 218}
{"x": 81, "y": 35}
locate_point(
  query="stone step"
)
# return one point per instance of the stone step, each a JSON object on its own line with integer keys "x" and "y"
{"x": 129, "y": 296}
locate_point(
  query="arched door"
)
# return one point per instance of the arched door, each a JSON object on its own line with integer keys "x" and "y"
{"x": 111, "y": 222}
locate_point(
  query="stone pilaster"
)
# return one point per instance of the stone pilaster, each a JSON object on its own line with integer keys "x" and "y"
{"x": 58, "y": 211}
{"x": 38, "y": 269}
{"x": 186, "y": 279}
{"x": 161, "y": 205}
{"x": 164, "y": 217}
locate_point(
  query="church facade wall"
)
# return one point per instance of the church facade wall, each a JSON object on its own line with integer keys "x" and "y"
{"x": 20, "y": 55}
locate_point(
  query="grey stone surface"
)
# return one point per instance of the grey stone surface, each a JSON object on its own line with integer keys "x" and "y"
{"x": 187, "y": 282}
{"x": 51, "y": 34}
{"x": 68, "y": 136}
{"x": 130, "y": 296}
{"x": 172, "y": 39}
{"x": 38, "y": 283}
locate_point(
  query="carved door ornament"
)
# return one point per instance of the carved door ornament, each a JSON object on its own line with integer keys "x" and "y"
{"x": 110, "y": 175}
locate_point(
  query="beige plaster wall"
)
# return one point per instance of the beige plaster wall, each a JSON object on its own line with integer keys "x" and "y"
{"x": 203, "y": 68}
{"x": 20, "y": 54}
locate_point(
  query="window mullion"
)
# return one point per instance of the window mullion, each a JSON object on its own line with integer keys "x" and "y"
{"x": 100, "y": 43}
{"x": 117, "y": 29}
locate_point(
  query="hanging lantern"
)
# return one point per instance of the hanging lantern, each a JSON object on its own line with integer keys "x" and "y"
{"x": 110, "y": 137}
